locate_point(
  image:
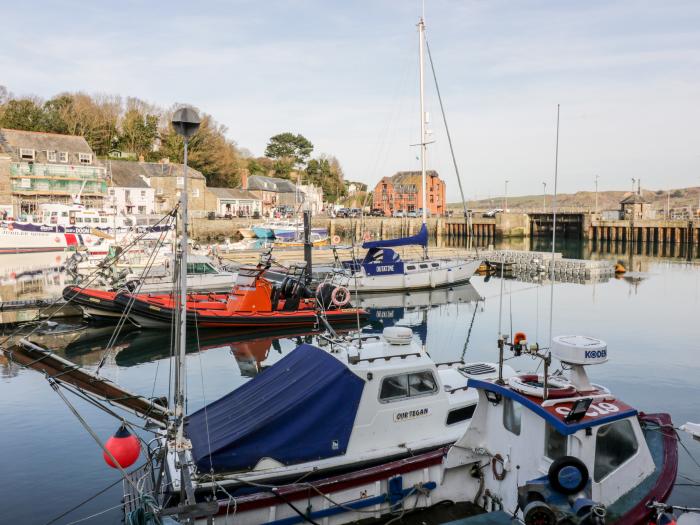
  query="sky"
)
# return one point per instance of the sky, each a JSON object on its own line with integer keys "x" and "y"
{"x": 345, "y": 74}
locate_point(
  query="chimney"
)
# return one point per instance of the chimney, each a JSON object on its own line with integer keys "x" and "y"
{"x": 244, "y": 179}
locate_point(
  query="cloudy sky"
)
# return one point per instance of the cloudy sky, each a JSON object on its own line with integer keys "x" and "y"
{"x": 344, "y": 74}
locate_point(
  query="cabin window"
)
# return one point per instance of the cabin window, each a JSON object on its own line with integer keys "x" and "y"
{"x": 85, "y": 158}
{"x": 78, "y": 219}
{"x": 435, "y": 265}
{"x": 26, "y": 154}
{"x": 460, "y": 414}
{"x": 51, "y": 156}
{"x": 512, "y": 412}
{"x": 614, "y": 445}
{"x": 64, "y": 214}
{"x": 410, "y": 267}
{"x": 423, "y": 266}
{"x": 554, "y": 443}
{"x": 103, "y": 219}
{"x": 402, "y": 386}
{"x": 88, "y": 219}
{"x": 200, "y": 268}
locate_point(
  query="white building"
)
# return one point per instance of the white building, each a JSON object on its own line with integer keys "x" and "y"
{"x": 230, "y": 202}
{"x": 312, "y": 199}
{"x": 129, "y": 193}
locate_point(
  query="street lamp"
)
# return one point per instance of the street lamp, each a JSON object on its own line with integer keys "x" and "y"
{"x": 544, "y": 197}
{"x": 505, "y": 199}
{"x": 596, "y": 192}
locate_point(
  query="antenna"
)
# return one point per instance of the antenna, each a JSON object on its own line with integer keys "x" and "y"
{"x": 554, "y": 230}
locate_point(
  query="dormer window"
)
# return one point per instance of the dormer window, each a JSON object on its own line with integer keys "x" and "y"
{"x": 26, "y": 154}
{"x": 62, "y": 156}
{"x": 51, "y": 156}
{"x": 85, "y": 158}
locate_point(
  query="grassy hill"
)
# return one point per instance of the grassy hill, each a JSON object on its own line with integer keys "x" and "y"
{"x": 607, "y": 200}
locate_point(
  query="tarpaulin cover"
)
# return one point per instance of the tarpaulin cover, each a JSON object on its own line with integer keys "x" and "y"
{"x": 300, "y": 409}
{"x": 421, "y": 238}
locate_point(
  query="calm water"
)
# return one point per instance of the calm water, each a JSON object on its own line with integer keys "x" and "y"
{"x": 649, "y": 320}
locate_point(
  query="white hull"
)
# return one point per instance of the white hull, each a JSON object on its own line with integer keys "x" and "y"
{"x": 416, "y": 278}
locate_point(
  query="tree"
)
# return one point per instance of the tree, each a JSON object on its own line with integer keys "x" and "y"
{"x": 327, "y": 173}
{"x": 290, "y": 150}
{"x": 24, "y": 114}
{"x": 138, "y": 132}
{"x": 55, "y": 110}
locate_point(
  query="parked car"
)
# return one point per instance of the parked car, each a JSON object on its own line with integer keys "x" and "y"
{"x": 354, "y": 212}
{"x": 412, "y": 214}
{"x": 492, "y": 213}
{"x": 376, "y": 212}
{"x": 342, "y": 212}
{"x": 398, "y": 213}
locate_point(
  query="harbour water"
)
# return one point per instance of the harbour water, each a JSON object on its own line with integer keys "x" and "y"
{"x": 649, "y": 318}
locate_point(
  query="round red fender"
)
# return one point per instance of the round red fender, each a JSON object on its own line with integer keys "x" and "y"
{"x": 336, "y": 239}
{"x": 367, "y": 236}
{"x": 125, "y": 448}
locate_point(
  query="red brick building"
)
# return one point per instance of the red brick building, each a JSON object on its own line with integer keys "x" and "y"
{"x": 404, "y": 192}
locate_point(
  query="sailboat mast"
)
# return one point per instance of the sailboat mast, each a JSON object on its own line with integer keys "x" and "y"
{"x": 182, "y": 313}
{"x": 423, "y": 142}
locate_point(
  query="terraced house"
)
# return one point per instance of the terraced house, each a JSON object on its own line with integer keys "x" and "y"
{"x": 38, "y": 168}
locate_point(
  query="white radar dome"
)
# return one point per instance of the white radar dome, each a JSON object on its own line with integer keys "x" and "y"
{"x": 579, "y": 350}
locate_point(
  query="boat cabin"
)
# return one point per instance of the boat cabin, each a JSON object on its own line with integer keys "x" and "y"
{"x": 580, "y": 444}
{"x": 336, "y": 408}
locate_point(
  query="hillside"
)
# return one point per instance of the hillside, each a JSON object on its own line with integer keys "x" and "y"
{"x": 607, "y": 200}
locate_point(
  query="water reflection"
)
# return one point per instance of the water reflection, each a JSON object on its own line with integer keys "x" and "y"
{"x": 648, "y": 317}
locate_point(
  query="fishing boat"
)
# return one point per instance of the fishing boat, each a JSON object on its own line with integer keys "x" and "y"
{"x": 315, "y": 238}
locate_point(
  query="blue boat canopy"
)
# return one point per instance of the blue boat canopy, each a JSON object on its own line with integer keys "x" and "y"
{"x": 421, "y": 239}
{"x": 300, "y": 409}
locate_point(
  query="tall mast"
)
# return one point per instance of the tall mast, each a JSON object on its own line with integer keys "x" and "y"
{"x": 423, "y": 142}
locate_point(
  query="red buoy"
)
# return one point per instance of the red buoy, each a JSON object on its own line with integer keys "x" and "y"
{"x": 125, "y": 448}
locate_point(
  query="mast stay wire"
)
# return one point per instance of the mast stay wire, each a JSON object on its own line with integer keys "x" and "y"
{"x": 468, "y": 223}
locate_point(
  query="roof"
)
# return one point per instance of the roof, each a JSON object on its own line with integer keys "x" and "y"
{"x": 232, "y": 193}
{"x": 38, "y": 140}
{"x": 411, "y": 177}
{"x": 128, "y": 171}
{"x": 261, "y": 182}
{"x": 555, "y": 417}
{"x": 635, "y": 198}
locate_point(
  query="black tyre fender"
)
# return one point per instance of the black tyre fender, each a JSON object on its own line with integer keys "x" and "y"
{"x": 539, "y": 513}
{"x": 568, "y": 475}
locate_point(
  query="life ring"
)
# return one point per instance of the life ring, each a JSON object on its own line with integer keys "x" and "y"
{"x": 367, "y": 236}
{"x": 495, "y": 461}
{"x": 336, "y": 239}
{"x": 344, "y": 298}
{"x": 567, "y": 475}
{"x": 533, "y": 385}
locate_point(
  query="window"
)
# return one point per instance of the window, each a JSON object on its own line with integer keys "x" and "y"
{"x": 103, "y": 219}
{"x": 407, "y": 385}
{"x": 85, "y": 158}
{"x": 423, "y": 266}
{"x": 51, "y": 156}
{"x": 512, "y": 412}
{"x": 554, "y": 443}
{"x": 435, "y": 265}
{"x": 62, "y": 156}
{"x": 143, "y": 193}
{"x": 26, "y": 154}
{"x": 142, "y": 209}
{"x": 159, "y": 191}
{"x": 460, "y": 414}
{"x": 64, "y": 214}
{"x": 87, "y": 219}
{"x": 410, "y": 267}
{"x": 79, "y": 219}
{"x": 195, "y": 192}
{"x": 614, "y": 445}
{"x": 180, "y": 182}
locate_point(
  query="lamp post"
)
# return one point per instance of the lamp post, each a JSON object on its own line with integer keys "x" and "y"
{"x": 185, "y": 123}
{"x": 596, "y": 193}
{"x": 544, "y": 197}
{"x": 505, "y": 199}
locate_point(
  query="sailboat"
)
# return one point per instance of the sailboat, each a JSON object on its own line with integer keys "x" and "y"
{"x": 382, "y": 269}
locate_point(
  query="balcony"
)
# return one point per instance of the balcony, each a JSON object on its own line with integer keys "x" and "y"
{"x": 52, "y": 186}
{"x": 58, "y": 171}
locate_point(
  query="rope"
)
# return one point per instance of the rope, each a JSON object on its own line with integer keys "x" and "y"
{"x": 76, "y": 507}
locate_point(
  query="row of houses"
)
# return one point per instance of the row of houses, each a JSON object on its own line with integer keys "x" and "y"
{"x": 38, "y": 168}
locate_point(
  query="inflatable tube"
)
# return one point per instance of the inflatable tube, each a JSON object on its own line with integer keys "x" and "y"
{"x": 533, "y": 385}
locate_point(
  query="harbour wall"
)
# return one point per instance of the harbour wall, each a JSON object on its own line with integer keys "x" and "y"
{"x": 586, "y": 226}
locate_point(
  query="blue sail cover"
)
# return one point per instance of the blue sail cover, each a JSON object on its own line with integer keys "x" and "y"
{"x": 302, "y": 408}
{"x": 421, "y": 239}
